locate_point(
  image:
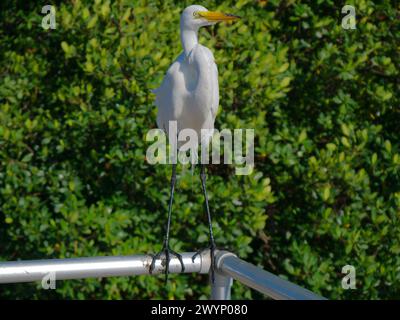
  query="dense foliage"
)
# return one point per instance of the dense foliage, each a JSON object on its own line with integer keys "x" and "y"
{"x": 76, "y": 104}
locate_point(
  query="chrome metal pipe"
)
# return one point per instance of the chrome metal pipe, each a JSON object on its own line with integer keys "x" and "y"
{"x": 227, "y": 265}
{"x": 96, "y": 267}
{"x": 221, "y": 287}
{"x": 261, "y": 280}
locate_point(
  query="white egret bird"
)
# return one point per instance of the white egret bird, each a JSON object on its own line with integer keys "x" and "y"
{"x": 189, "y": 95}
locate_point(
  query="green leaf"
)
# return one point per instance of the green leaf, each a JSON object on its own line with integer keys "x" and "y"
{"x": 302, "y": 136}
{"x": 374, "y": 158}
{"x": 326, "y": 193}
{"x": 388, "y": 146}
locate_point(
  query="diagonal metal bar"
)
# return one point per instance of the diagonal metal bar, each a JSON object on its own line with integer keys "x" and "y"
{"x": 263, "y": 281}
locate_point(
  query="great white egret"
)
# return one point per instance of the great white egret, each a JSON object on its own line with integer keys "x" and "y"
{"x": 189, "y": 95}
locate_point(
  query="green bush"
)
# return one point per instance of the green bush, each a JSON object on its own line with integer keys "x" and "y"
{"x": 76, "y": 104}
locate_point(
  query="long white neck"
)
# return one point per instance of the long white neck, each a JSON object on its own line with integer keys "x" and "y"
{"x": 188, "y": 38}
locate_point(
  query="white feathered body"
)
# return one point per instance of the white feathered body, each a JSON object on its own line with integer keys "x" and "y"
{"x": 189, "y": 93}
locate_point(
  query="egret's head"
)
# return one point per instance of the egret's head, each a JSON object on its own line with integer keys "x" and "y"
{"x": 194, "y": 17}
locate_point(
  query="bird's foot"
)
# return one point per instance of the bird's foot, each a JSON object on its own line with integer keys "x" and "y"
{"x": 167, "y": 253}
{"x": 212, "y": 247}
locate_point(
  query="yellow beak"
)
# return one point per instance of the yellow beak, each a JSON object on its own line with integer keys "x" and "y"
{"x": 217, "y": 16}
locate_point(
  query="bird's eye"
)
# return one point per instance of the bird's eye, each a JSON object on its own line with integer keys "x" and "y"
{"x": 195, "y": 14}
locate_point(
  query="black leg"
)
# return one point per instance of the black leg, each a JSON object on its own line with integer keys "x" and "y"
{"x": 212, "y": 246}
{"x": 166, "y": 249}
{"x": 171, "y": 199}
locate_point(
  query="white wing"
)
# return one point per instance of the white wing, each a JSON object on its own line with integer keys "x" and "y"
{"x": 170, "y": 96}
{"x": 206, "y": 90}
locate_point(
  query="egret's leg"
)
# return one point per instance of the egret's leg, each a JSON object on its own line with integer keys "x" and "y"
{"x": 166, "y": 249}
{"x": 212, "y": 246}
{"x": 171, "y": 199}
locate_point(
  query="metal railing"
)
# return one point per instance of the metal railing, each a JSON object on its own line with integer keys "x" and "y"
{"x": 228, "y": 267}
